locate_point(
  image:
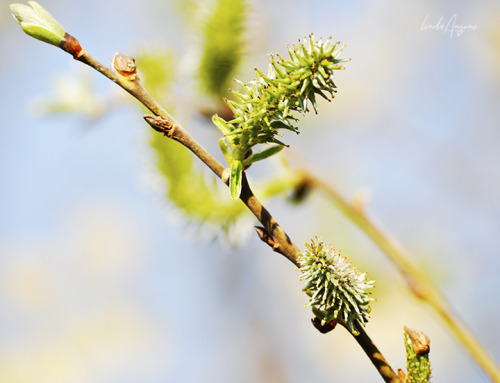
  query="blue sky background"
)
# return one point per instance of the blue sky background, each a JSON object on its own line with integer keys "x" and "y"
{"x": 101, "y": 282}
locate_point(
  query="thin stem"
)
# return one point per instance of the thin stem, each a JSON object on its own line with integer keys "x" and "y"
{"x": 134, "y": 87}
{"x": 163, "y": 122}
{"x": 375, "y": 355}
{"x": 416, "y": 281}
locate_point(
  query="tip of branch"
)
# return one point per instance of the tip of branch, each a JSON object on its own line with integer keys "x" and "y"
{"x": 421, "y": 342}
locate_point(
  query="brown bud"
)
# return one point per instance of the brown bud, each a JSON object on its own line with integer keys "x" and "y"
{"x": 71, "y": 45}
{"x": 125, "y": 65}
{"x": 266, "y": 238}
{"x": 421, "y": 342}
{"x": 323, "y": 328}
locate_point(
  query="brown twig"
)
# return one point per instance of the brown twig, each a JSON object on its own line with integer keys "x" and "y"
{"x": 164, "y": 123}
{"x": 375, "y": 355}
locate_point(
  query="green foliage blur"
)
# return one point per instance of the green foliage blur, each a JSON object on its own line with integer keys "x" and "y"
{"x": 198, "y": 197}
{"x": 222, "y": 46}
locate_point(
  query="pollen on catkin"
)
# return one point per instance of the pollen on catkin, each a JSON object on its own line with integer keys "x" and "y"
{"x": 337, "y": 291}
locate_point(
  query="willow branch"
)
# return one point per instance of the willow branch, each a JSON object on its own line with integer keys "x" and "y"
{"x": 40, "y": 24}
{"x": 163, "y": 122}
{"x": 419, "y": 285}
{"x": 280, "y": 243}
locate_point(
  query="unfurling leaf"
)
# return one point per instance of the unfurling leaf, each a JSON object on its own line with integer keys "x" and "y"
{"x": 38, "y": 23}
{"x": 266, "y": 153}
{"x": 235, "y": 179}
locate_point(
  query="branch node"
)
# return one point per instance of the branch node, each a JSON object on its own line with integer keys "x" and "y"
{"x": 160, "y": 125}
{"x": 267, "y": 239}
{"x": 125, "y": 65}
{"x": 72, "y": 46}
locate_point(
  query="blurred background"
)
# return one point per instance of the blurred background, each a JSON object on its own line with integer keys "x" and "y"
{"x": 102, "y": 279}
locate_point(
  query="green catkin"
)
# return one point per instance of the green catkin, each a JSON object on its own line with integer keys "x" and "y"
{"x": 337, "y": 291}
{"x": 267, "y": 104}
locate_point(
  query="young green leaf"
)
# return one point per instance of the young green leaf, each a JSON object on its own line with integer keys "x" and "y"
{"x": 224, "y": 148}
{"x": 38, "y": 23}
{"x": 266, "y": 153}
{"x": 235, "y": 179}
